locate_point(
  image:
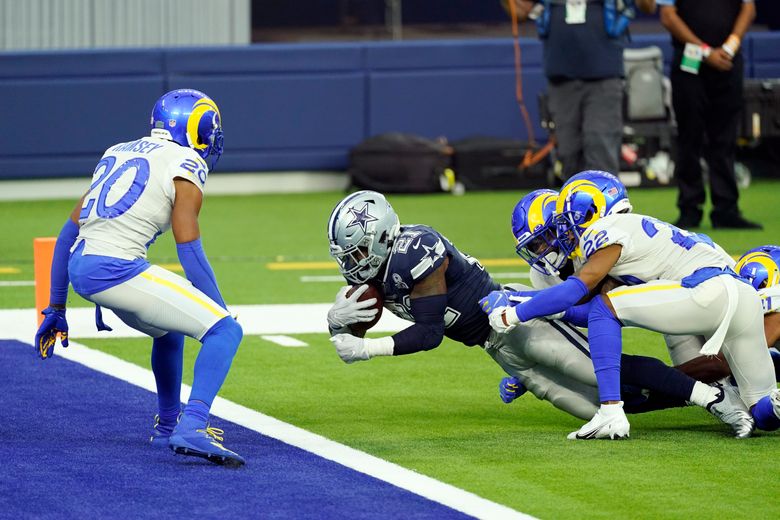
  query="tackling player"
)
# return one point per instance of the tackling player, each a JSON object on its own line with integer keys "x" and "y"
{"x": 139, "y": 190}
{"x": 684, "y": 284}
{"x": 425, "y": 279}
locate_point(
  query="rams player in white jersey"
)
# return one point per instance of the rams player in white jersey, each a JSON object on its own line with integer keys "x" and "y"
{"x": 139, "y": 190}
{"x": 535, "y": 243}
{"x": 682, "y": 284}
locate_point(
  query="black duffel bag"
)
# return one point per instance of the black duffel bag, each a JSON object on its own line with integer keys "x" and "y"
{"x": 400, "y": 163}
{"x": 490, "y": 163}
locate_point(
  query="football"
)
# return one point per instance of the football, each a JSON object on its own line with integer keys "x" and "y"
{"x": 359, "y": 329}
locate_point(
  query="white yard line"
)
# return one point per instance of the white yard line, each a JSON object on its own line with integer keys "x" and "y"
{"x": 17, "y": 283}
{"x": 20, "y": 324}
{"x": 285, "y": 341}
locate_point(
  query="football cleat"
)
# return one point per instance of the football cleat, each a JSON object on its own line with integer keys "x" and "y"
{"x": 729, "y": 408}
{"x": 161, "y": 433}
{"x": 610, "y": 422}
{"x": 205, "y": 443}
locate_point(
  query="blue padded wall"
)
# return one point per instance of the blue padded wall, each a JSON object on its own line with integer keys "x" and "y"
{"x": 65, "y": 109}
{"x": 284, "y": 106}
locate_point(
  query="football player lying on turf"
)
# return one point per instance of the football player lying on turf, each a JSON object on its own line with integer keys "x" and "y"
{"x": 425, "y": 279}
{"x": 535, "y": 243}
{"x": 682, "y": 283}
{"x": 139, "y": 190}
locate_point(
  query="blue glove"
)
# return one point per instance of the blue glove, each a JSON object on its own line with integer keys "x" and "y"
{"x": 494, "y": 300}
{"x": 510, "y": 388}
{"x": 46, "y": 337}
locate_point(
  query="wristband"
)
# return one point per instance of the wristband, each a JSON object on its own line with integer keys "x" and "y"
{"x": 379, "y": 346}
{"x": 731, "y": 45}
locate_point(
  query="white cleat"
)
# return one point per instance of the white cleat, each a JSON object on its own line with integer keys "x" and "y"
{"x": 610, "y": 422}
{"x": 730, "y": 409}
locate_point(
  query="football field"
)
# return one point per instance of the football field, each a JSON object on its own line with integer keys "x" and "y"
{"x": 437, "y": 413}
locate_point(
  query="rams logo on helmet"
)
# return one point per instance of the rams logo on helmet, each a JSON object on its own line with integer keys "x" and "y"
{"x": 760, "y": 268}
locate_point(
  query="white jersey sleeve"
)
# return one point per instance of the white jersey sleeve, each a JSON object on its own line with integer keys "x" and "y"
{"x": 651, "y": 249}
{"x": 132, "y": 193}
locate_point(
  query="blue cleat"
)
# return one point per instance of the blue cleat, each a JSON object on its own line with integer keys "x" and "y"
{"x": 204, "y": 442}
{"x": 161, "y": 433}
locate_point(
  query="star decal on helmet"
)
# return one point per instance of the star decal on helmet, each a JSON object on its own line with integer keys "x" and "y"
{"x": 361, "y": 217}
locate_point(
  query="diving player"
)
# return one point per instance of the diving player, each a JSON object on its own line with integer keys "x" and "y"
{"x": 139, "y": 190}
{"x": 425, "y": 279}
{"x": 684, "y": 284}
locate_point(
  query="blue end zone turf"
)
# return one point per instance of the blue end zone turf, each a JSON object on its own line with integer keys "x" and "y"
{"x": 74, "y": 444}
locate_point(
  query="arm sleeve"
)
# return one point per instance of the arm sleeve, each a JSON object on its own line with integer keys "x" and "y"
{"x": 58, "y": 293}
{"x": 198, "y": 270}
{"x": 552, "y": 300}
{"x": 428, "y": 329}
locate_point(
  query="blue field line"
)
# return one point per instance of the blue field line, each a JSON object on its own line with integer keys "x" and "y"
{"x": 74, "y": 446}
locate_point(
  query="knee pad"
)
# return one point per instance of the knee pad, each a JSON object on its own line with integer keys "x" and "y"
{"x": 227, "y": 329}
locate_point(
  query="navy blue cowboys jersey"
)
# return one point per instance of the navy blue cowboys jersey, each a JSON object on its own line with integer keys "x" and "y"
{"x": 417, "y": 252}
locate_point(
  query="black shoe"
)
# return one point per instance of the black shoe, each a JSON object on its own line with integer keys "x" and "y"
{"x": 733, "y": 221}
{"x": 688, "y": 221}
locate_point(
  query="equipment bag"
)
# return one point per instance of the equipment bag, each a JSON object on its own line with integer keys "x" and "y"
{"x": 400, "y": 163}
{"x": 761, "y": 115}
{"x": 489, "y": 163}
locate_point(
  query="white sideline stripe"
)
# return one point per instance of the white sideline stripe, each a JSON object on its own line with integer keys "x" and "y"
{"x": 254, "y": 319}
{"x": 432, "y": 489}
{"x": 17, "y": 283}
{"x": 285, "y": 341}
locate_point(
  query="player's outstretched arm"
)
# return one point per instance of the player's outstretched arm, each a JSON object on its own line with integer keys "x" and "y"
{"x": 186, "y": 232}
{"x": 562, "y": 296}
{"x": 428, "y": 304}
{"x": 55, "y": 322}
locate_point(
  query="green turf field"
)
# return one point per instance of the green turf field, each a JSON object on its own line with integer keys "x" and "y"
{"x": 439, "y": 412}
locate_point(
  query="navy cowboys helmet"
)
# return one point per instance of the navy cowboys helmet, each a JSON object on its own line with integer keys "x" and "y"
{"x": 361, "y": 231}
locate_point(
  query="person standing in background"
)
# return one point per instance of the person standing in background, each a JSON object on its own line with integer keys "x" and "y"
{"x": 583, "y": 44}
{"x": 707, "y": 71}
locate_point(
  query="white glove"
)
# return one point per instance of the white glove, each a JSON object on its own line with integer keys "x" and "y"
{"x": 348, "y": 310}
{"x": 351, "y": 348}
{"x": 497, "y": 317}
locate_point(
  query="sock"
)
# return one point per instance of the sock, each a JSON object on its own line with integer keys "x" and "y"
{"x": 654, "y": 401}
{"x": 167, "y": 360}
{"x": 653, "y": 374}
{"x": 604, "y": 336}
{"x": 764, "y": 415}
{"x": 703, "y": 394}
{"x": 213, "y": 363}
{"x": 578, "y": 314}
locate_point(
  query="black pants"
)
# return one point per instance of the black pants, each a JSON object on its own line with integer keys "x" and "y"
{"x": 707, "y": 107}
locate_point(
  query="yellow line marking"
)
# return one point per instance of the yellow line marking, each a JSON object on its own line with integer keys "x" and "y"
{"x": 10, "y": 270}
{"x": 304, "y": 266}
{"x": 185, "y": 293}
